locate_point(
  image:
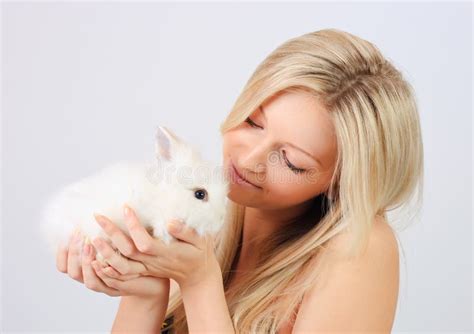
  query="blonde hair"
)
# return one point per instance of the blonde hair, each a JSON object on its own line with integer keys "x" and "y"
{"x": 379, "y": 168}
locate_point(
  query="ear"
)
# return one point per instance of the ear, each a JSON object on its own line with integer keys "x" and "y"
{"x": 166, "y": 143}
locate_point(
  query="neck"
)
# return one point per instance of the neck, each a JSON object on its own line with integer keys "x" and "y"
{"x": 261, "y": 223}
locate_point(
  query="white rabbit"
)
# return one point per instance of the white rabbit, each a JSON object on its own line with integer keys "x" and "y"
{"x": 177, "y": 184}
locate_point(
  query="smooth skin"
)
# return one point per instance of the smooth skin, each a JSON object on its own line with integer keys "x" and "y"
{"x": 144, "y": 298}
{"x": 92, "y": 273}
{"x": 189, "y": 260}
{"x": 358, "y": 296}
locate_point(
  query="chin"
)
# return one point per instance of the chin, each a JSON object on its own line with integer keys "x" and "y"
{"x": 241, "y": 197}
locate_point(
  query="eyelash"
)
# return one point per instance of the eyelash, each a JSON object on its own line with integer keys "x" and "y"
{"x": 288, "y": 163}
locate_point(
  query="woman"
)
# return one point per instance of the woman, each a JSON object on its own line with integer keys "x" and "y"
{"x": 323, "y": 141}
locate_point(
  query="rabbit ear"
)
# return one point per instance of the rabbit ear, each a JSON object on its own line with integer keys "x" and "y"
{"x": 166, "y": 143}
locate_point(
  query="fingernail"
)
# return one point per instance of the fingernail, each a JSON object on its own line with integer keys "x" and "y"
{"x": 87, "y": 249}
{"x": 126, "y": 210}
{"x": 175, "y": 225}
{"x": 75, "y": 234}
{"x": 98, "y": 219}
{"x": 78, "y": 237}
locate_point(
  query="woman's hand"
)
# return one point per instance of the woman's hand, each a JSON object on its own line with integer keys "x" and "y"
{"x": 189, "y": 260}
{"x": 82, "y": 267}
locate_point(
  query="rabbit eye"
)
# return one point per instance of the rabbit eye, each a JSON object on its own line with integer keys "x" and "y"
{"x": 201, "y": 194}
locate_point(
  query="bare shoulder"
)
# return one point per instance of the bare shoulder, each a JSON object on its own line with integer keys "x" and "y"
{"x": 356, "y": 295}
{"x": 382, "y": 241}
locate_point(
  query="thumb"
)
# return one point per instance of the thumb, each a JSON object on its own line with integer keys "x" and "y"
{"x": 175, "y": 226}
{"x": 181, "y": 231}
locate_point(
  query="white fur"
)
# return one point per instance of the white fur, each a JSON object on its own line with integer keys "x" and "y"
{"x": 156, "y": 191}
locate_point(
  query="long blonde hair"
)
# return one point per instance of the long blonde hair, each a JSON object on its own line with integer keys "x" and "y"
{"x": 379, "y": 168}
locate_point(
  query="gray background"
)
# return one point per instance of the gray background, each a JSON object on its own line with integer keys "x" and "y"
{"x": 84, "y": 84}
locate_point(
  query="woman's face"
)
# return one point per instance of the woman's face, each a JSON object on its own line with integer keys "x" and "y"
{"x": 269, "y": 149}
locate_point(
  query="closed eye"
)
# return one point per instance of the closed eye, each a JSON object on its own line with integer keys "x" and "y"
{"x": 295, "y": 169}
{"x": 291, "y": 166}
{"x": 252, "y": 123}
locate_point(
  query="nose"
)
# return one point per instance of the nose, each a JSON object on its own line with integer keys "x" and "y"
{"x": 254, "y": 160}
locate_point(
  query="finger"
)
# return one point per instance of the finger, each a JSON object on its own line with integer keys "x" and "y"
{"x": 142, "y": 239}
{"x": 109, "y": 281}
{"x": 91, "y": 280}
{"x": 116, "y": 260}
{"x": 61, "y": 259}
{"x": 185, "y": 233}
{"x": 74, "y": 269}
{"x": 111, "y": 272}
{"x": 120, "y": 240}
{"x": 147, "y": 283}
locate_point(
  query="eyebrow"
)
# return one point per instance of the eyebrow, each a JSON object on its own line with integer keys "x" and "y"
{"x": 293, "y": 145}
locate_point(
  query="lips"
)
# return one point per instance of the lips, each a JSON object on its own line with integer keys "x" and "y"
{"x": 239, "y": 175}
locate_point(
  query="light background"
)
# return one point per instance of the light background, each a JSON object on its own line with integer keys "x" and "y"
{"x": 84, "y": 84}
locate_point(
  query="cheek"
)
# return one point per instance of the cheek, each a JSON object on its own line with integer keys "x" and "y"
{"x": 229, "y": 137}
{"x": 287, "y": 194}
{"x": 231, "y": 140}
{"x": 230, "y": 146}
{"x": 280, "y": 182}
{"x": 227, "y": 142}
{"x": 289, "y": 189}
